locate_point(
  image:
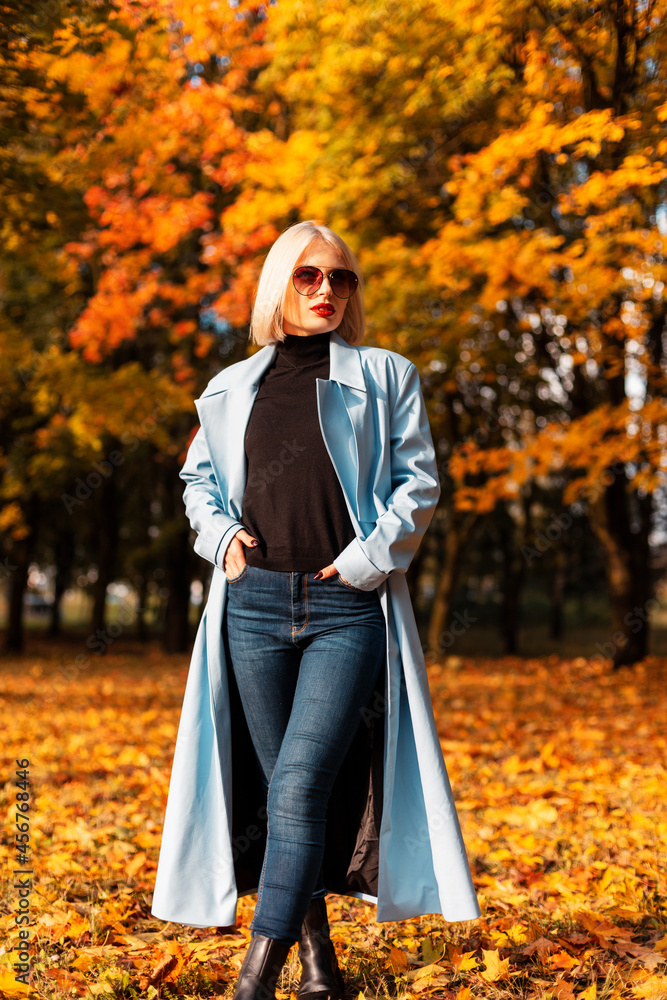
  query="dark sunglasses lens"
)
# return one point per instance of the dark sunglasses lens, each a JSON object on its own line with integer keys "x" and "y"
{"x": 307, "y": 279}
{"x": 343, "y": 283}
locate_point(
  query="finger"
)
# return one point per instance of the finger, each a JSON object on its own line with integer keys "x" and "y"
{"x": 325, "y": 573}
{"x": 246, "y": 537}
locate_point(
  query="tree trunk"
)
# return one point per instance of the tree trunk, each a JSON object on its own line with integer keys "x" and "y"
{"x": 514, "y": 566}
{"x": 513, "y": 536}
{"x": 440, "y": 637}
{"x": 17, "y": 565}
{"x": 107, "y": 528}
{"x": 176, "y": 636}
{"x": 614, "y": 515}
{"x": 142, "y": 597}
{"x": 177, "y": 563}
{"x": 557, "y": 597}
{"x": 55, "y": 625}
{"x": 64, "y": 559}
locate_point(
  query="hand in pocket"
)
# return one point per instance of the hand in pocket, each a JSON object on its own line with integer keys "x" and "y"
{"x": 235, "y": 554}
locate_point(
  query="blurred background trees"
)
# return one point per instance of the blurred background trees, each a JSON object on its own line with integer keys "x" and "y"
{"x": 500, "y": 172}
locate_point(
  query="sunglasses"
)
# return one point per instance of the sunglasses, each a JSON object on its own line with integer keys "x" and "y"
{"x": 307, "y": 279}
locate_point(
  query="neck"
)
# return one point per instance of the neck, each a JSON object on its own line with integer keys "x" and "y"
{"x": 304, "y": 350}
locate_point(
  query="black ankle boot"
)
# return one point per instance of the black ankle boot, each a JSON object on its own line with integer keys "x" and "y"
{"x": 260, "y": 970}
{"x": 320, "y": 976}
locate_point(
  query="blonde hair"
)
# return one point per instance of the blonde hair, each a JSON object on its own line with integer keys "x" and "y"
{"x": 266, "y": 323}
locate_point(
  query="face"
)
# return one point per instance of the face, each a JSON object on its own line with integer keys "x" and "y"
{"x": 299, "y": 316}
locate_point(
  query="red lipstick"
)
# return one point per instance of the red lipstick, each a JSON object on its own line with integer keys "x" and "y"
{"x": 323, "y": 309}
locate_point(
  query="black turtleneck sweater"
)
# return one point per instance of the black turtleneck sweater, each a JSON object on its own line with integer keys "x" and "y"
{"x": 293, "y": 502}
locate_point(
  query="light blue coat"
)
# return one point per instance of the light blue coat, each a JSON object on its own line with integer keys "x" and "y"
{"x": 374, "y": 425}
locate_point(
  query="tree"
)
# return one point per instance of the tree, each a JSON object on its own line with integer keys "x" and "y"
{"x": 38, "y": 288}
{"x": 557, "y": 225}
{"x": 144, "y": 162}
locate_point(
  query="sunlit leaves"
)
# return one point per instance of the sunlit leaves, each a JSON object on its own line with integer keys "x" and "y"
{"x": 558, "y": 772}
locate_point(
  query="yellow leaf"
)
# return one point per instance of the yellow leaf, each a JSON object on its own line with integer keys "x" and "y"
{"x": 8, "y": 985}
{"x": 76, "y": 925}
{"x": 82, "y": 962}
{"x": 201, "y": 951}
{"x": 133, "y": 866}
{"x": 427, "y": 972}
{"x": 462, "y": 961}
{"x": 516, "y": 933}
{"x": 589, "y": 994}
{"x": 496, "y": 967}
{"x": 651, "y": 989}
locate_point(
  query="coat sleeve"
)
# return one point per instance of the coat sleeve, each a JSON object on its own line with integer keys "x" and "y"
{"x": 415, "y": 489}
{"x": 204, "y": 506}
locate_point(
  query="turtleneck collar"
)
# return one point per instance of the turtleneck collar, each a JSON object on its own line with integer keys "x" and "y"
{"x": 304, "y": 350}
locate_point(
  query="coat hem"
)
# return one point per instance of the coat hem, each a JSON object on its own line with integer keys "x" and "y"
{"x": 399, "y": 914}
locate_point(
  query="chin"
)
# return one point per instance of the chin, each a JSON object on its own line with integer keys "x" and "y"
{"x": 326, "y": 325}
{"x": 320, "y": 328}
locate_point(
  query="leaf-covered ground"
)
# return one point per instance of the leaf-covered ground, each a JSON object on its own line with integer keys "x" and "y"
{"x": 558, "y": 768}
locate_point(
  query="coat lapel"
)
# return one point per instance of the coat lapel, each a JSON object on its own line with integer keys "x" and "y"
{"x": 349, "y": 428}
{"x": 224, "y": 410}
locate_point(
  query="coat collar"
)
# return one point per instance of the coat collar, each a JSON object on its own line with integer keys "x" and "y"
{"x": 344, "y": 367}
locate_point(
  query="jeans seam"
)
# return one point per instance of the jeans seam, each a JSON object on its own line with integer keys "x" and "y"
{"x": 233, "y": 579}
{"x": 260, "y": 887}
{"x": 295, "y": 630}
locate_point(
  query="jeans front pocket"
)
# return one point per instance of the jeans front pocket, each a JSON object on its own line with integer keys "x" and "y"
{"x": 233, "y": 579}
{"x": 344, "y": 582}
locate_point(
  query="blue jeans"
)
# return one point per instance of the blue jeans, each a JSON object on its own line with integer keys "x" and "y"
{"x": 305, "y": 654}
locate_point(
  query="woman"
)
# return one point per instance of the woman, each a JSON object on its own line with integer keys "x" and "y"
{"x": 307, "y": 759}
